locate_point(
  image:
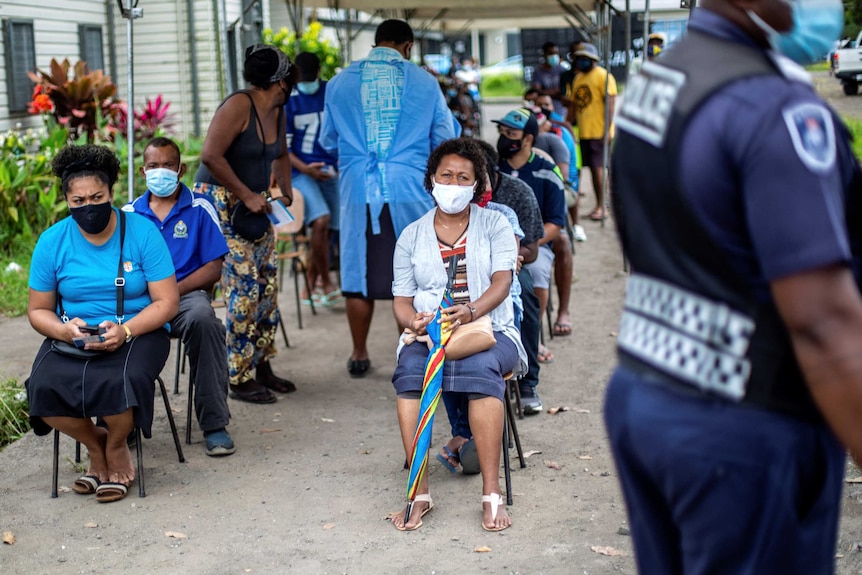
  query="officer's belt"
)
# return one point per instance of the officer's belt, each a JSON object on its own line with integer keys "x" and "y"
{"x": 697, "y": 341}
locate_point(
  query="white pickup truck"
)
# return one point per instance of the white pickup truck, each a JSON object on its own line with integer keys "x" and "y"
{"x": 847, "y": 66}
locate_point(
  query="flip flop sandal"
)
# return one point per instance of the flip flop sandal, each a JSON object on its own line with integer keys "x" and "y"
{"x": 259, "y": 396}
{"x": 545, "y": 355}
{"x": 278, "y": 384}
{"x": 86, "y": 484}
{"x": 496, "y": 500}
{"x": 426, "y": 497}
{"x": 562, "y": 329}
{"x": 469, "y": 458}
{"x": 110, "y": 491}
{"x": 444, "y": 459}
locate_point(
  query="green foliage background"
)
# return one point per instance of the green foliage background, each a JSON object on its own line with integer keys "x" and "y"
{"x": 311, "y": 40}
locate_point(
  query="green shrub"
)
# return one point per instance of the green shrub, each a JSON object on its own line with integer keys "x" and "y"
{"x": 855, "y": 127}
{"x": 13, "y": 282}
{"x": 309, "y": 41}
{"x": 504, "y": 84}
{"x": 14, "y": 421}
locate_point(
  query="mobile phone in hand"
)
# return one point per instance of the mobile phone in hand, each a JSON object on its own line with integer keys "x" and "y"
{"x": 92, "y": 329}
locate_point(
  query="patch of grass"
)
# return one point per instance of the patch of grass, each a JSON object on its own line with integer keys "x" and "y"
{"x": 14, "y": 421}
{"x": 499, "y": 85}
{"x": 13, "y": 282}
{"x": 818, "y": 67}
{"x": 855, "y": 127}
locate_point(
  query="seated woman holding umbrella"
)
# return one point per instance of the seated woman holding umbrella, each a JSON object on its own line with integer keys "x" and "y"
{"x": 452, "y": 267}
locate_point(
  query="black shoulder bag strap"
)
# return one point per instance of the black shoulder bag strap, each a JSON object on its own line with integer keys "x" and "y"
{"x": 119, "y": 281}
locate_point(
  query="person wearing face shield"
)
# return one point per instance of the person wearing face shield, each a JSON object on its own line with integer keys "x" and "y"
{"x": 189, "y": 225}
{"x": 737, "y": 389}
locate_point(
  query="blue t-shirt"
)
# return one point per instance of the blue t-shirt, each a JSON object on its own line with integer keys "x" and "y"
{"x": 765, "y": 168}
{"x": 545, "y": 180}
{"x": 84, "y": 274}
{"x": 304, "y": 119}
{"x": 191, "y": 230}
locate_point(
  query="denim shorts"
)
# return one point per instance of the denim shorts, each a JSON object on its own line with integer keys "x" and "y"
{"x": 321, "y": 198}
{"x": 540, "y": 269}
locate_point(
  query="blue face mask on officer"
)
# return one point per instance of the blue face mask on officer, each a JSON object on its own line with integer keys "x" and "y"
{"x": 816, "y": 26}
{"x": 162, "y": 182}
{"x": 308, "y": 88}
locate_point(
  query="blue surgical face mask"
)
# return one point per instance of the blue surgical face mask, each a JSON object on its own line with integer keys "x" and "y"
{"x": 162, "y": 182}
{"x": 816, "y": 26}
{"x": 308, "y": 88}
{"x": 553, "y": 59}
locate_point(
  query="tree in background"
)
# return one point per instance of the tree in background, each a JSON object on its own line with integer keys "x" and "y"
{"x": 852, "y": 18}
{"x": 312, "y": 41}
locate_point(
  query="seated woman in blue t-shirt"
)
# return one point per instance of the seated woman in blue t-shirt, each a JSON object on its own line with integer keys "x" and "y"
{"x": 73, "y": 278}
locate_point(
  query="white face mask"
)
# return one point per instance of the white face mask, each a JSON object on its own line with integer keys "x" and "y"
{"x": 452, "y": 199}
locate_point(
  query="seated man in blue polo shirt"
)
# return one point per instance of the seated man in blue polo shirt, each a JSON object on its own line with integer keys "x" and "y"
{"x": 518, "y": 130}
{"x": 190, "y": 226}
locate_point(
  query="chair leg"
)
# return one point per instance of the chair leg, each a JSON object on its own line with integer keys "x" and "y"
{"x": 77, "y": 452}
{"x": 142, "y": 492}
{"x": 177, "y": 369}
{"x": 189, "y": 404}
{"x": 283, "y": 329}
{"x": 507, "y": 470}
{"x": 173, "y": 424}
{"x": 56, "y": 469}
{"x": 510, "y": 418}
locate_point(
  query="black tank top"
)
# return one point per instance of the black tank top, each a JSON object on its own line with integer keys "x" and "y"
{"x": 249, "y": 157}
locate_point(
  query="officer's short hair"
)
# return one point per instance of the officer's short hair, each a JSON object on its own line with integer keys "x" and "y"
{"x": 395, "y": 31}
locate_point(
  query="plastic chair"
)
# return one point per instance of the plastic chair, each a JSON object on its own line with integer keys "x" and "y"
{"x": 138, "y": 447}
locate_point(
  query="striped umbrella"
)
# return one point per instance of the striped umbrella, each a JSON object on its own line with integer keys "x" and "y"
{"x": 431, "y": 391}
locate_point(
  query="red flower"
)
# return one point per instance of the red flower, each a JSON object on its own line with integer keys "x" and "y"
{"x": 41, "y": 104}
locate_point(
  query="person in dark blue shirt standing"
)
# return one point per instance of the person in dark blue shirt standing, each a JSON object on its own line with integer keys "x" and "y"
{"x": 314, "y": 172}
{"x": 189, "y": 224}
{"x": 737, "y": 200}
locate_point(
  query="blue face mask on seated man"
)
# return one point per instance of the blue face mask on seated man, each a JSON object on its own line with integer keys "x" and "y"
{"x": 162, "y": 182}
{"x": 308, "y": 88}
{"x": 816, "y": 26}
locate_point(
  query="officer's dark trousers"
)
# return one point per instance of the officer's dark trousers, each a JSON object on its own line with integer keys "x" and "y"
{"x": 712, "y": 487}
{"x": 530, "y": 328}
{"x": 203, "y": 336}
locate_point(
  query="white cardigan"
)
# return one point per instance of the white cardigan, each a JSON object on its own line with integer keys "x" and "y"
{"x": 419, "y": 271}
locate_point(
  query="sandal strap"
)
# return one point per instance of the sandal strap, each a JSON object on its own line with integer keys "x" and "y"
{"x": 496, "y": 500}
{"x": 426, "y": 497}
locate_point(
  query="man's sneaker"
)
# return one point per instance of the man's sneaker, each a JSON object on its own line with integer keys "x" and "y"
{"x": 219, "y": 443}
{"x": 530, "y": 402}
{"x": 579, "y": 233}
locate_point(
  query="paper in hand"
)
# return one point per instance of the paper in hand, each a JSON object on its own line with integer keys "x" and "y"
{"x": 279, "y": 214}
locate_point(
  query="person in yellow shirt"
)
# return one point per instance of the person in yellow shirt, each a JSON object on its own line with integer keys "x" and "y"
{"x": 587, "y": 109}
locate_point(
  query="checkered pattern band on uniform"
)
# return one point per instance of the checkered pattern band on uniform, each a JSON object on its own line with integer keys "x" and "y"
{"x": 701, "y": 342}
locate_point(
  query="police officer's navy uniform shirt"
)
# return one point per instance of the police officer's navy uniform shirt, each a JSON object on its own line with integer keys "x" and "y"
{"x": 762, "y": 169}
{"x": 304, "y": 119}
{"x": 191, "y": 230}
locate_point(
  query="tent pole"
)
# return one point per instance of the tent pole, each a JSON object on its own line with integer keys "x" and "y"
{"x": 646, "y": 28}
{"x": 606, "y": 149}
{"x": 628, "y": 34}
{"x": 130, "y": 13}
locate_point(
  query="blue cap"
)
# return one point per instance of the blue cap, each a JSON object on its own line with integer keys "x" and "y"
{"x": 520, "y": 119}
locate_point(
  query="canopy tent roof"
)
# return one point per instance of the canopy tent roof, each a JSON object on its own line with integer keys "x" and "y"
{"x": 462, "y": 10}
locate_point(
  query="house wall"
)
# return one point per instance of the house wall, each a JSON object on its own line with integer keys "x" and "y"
{"x": 55, "y": 36}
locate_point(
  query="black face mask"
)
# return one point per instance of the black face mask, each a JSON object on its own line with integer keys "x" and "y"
{"x": 547, "y": 112}
{"x": 508, "y": 147}
{"x": 92, "y": 218}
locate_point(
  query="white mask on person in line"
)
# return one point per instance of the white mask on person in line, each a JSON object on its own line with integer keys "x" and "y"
{"x": 452, "y": 198}
{"x": 162, "y": 182}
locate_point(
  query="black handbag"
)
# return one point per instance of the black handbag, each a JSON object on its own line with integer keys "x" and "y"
{"x": 71, "y": 350}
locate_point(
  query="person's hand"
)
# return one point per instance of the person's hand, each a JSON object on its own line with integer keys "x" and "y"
{"x": 315, "y": 170}
{"x": 455, "y": 316}
{"x": 286, "y": 199}
{"x": 420, "y": 322}
{"x": 112, "y": 339}
{"x": 257, "y": 204}
{"x": 519, "y": 263}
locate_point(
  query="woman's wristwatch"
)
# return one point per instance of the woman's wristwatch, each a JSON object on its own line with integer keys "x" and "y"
{"x": 128, "y": 332}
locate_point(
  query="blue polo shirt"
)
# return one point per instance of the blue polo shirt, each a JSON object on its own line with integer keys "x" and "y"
{"x": 765, "y": 167}
{"x": 545, "y": 180}
{"x": 191, "y": 230}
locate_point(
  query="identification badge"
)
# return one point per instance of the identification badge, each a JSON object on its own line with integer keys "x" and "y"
{"x": 813, "y": 135}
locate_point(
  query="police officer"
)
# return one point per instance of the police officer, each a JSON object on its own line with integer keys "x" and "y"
{"x": 737, "y": 201}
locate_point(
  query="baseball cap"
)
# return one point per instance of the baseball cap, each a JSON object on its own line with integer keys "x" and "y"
{"x": 588, "y": 51}
{"x": 520, "y": 119}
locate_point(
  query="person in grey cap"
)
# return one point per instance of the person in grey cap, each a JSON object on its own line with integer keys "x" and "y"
{"x": 592, "y": 86}
{"x": 244, "y": 147}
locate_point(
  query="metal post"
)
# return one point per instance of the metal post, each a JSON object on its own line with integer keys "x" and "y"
{"x": 130, "y": 13}
{"x": 607, "y": 140}
{"x": 646, "y": 30}
{"x": 626, "y": 58}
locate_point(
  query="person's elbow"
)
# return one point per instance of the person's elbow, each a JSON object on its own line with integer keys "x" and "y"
{"x": 209, "y": 157}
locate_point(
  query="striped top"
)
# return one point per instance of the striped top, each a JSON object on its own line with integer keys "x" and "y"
{"x": 456, "y": 253}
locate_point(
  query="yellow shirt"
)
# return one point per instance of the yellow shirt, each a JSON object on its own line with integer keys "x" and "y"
{"x": 587, "y": 93}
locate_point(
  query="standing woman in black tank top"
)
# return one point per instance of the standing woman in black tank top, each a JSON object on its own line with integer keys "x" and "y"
{"x": 244, "y": 148}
